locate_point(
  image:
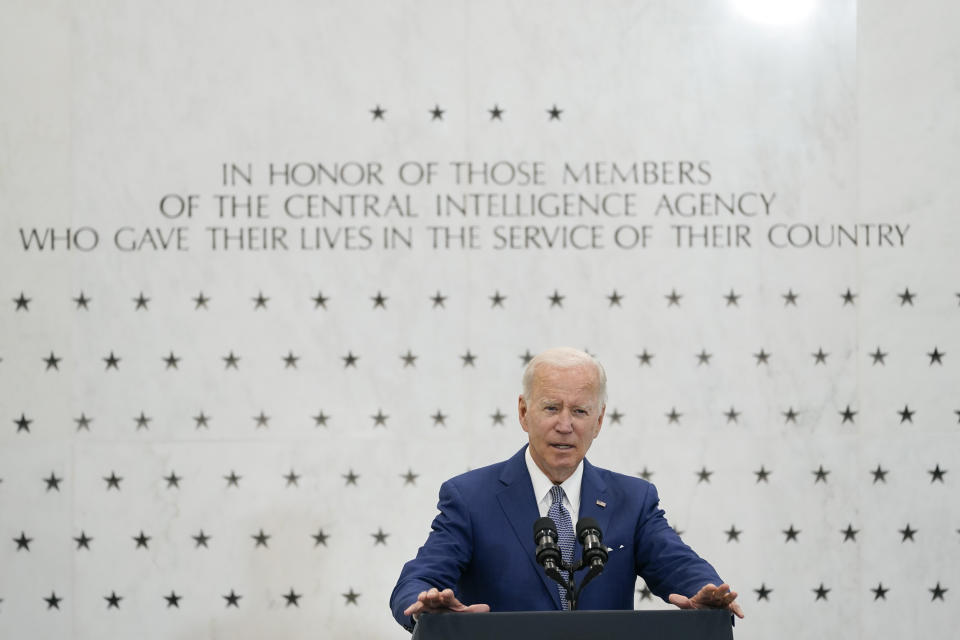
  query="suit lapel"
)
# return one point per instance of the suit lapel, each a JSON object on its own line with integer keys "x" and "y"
{"x": 520, "y": 507}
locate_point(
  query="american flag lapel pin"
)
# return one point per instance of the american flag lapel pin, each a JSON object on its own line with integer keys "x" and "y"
{"x": 601, "y": 504}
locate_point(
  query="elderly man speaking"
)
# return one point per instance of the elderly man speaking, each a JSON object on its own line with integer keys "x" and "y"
{"x": 480, "y": 554}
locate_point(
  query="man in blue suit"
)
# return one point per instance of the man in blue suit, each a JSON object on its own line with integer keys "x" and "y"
{"x": 481, "y": 549}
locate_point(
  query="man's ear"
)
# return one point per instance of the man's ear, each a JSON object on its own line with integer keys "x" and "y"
{"x": 522, "y": 412}
{"x": 603, "y": 411}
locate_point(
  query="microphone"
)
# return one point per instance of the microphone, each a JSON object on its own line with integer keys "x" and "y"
{"x": 545, "y": 536}
{"x": 590, "y": 537}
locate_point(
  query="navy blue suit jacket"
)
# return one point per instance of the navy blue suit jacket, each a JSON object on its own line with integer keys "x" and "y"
{"x": 481, "y": 544}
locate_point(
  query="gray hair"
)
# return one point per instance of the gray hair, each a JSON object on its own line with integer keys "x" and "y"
{"x": 565, "y": 358}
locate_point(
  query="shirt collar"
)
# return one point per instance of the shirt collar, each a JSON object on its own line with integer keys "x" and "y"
{"x": 542, "y": 485}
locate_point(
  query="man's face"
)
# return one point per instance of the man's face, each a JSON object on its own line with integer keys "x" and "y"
{"x": 562, "y": 416}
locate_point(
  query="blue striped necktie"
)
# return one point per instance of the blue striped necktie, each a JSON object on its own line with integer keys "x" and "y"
{"x": 561, "y": 518}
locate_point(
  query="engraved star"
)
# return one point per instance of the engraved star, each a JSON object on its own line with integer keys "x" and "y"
{"x": 173, "y": 600}
{"x": 112, "y": 361}
{"x": 733, "y": 534}
{"x": 292, "y": 478}
{"x": 290, "y": 360}
{"x": 498, "y": 417}
{"x": 409, "y": 360}
{"x": 378, "y": 112}
{"x": 260, "y": 302}
{"x": 820, "y": 357}
{"x": 350, "y": 477}
{"x": 645, "y": 593}
{"x": 762, "y": 475}
{"x": 790, "y": 415}
{"x": 937, "y": 592}
{"x": 936, "y": 474}
{"x": 438, "y": 300}
{"x": 646, "y": 474}
{"x": 848, "y": 297}
{"x": 496, "y": 113}
{"x": 23, "y": 423}
{"x": 615, "y": 298}
{"x": 554, "y": 112}
{"x": 496, "y": 300}
{"x": 673, "y": 298}
{"x": 349, "y": 360}
{"x": 673, "y": 416}
{"x": 380, "y": 537}
{"x": 53, "y": 362}
{"x": 409, "y": 477}
{"x": 791, "y": 534}
{"x": 436, "y": 113}
{"x": 732, "y": 415}
{"x": 292, "y": 598}
{"x": 201, "y": 540}
{"x": 320, "y": 420}
{"x": 468, "y": 359}
{"x": 556, "y": 300}
{"x": 82, "y": 301}
{"x": 703, "y": 357}
{"x": 23, "y": 542}
{"x": 936, "y": 356}
{"x": 379, "y": 300}
{"x": 233, "y": 599}
{"x": 202, "y": 420}
{"x": 113, "y": 600}
{"x": 141, "y": 302}
{"x": 789, "y": 298}
{"x": 83, "y": 542}
{"x": 143, "y": 422}
{"x": 907, "y": 533}
{"x": 262, "y": 420}
{"x": 351, "y": 597}
{"x": 319, "y": 300}
{"x": 173, "y": 480}
{"x": 616, "y": 416}
{"x": 821, "y": 475}
{"x": 53, "y": 482}
{"x": 320, "y": 538}
{"x": 703, "y": 475}
{"x": 879, "y": 592}
{"x": 762, "y": 357}
{"x": 83, "y": 422}
{"x": 22, "y": 302}
{"x": 906, "y": 415}
{"x": 200, "y": 302}
{"x": 172, "y": 361}
{"x": 880, "y": 474}
{"x": 439, "y": 419}
{"x": 645, "y": 358}
{"x": 260, "y": 539}
{"x": 906, "y": 297}
{"x": 142, "y": 540}
{"x": 380, "y": 418}
{"x": 821, "y": 592}
{"x": 733, "y": 299}
{"x": 763, "y": 593}
{"x": 53, "y": 602}
{"x": 231, "y": 360}
{"x": 879, "y": 357}
{"x": 233, "y": 480}
{"x": 850, "y": 533}
{"x": 525, "y": 358}
{"x": 113, "y": 481}
{"x": 847, "y": 414}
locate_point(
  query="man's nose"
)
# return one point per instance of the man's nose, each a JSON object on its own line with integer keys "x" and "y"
{"x": 565, "y": 421}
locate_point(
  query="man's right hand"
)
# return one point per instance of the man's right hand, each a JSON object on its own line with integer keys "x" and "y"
{"x": 434, "y": 601}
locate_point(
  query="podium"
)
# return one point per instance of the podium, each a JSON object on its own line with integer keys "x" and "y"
{"x": 700, "y": 624}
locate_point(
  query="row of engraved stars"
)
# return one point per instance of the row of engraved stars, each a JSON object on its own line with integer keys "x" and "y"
{"x": 292, "y": 478}
{"x": 498, "y": 418}
{"x": 469, "y": 359}
{"x": 292, "y": 598}
{"x": 439, "y": 300}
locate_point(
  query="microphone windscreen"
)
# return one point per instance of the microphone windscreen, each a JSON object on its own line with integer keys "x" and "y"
{"x": 588, "y": 523}
{"x": 542, "y": 524}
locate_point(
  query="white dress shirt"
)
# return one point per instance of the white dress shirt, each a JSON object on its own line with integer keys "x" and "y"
{"x": 542, "y": 485}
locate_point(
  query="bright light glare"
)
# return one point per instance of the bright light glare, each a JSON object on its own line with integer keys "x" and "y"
{"x": 775, "y": 12}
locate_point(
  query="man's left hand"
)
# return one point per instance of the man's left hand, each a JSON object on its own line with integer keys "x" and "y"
{"x": 709, "y": 597}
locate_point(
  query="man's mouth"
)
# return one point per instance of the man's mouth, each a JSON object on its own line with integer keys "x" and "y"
{"x": 562, "y": 446}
